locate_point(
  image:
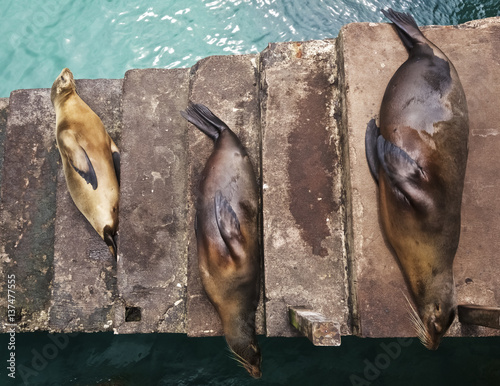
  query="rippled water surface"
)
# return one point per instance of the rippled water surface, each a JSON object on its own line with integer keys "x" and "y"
{"x": 103, "y": 39}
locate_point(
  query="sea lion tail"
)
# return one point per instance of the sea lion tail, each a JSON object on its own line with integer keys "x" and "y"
{"x": 406, "y": 27}
{"x": 200, "y": 116}
{"x": 109, "y": 238}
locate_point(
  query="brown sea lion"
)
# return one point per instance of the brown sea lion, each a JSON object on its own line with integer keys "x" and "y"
{"x": 227, "y": 236}
{"x": 418, "y": 156}
{"x": 90, "y": 158}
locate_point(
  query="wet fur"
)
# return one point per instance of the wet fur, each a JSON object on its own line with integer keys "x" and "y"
{"x": 227, "y": 236}
{"x": 418, "y": 157}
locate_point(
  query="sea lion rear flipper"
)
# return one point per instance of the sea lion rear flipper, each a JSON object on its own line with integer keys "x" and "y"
{"x": 200, "y": 116}
{"x": 78, "y": 159}
{"x": 229, "y": 225}
{"x": 406, "y": 27}
{"x": 404, "y": 173}
{"x": 372, "y": 133}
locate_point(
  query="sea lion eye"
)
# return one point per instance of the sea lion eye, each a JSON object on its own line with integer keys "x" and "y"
{"x": 437, "y": 307}
{"x": 62, "y": 78}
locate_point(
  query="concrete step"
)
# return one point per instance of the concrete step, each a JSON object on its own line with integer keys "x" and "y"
{"x": 153, "y": 231}
{"x": 28, "y": 207}
{"x": 305, "y": 261}
{"x": 4, "y": 111}
{"x": 84, "y": 290}
{"x": 228, "y": 85}
{"x": 371, "y": 53}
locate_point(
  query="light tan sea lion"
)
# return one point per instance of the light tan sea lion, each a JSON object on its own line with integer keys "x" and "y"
{"x": 90, "y": 158}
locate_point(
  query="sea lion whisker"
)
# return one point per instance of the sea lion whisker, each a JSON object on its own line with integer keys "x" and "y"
{"x": 417, "y": 322}
{"x": 411, "y": 310}
{"x": 239, "y": 358}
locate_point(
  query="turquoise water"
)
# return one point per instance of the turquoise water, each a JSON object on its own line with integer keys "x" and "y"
{"x": 103, "y": 39}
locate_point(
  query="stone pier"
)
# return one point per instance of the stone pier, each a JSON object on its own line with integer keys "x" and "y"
{"x": 301, "y": 109}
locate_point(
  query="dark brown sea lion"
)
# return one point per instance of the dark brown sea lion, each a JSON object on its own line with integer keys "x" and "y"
{"x": 227, "y": 236}
{"x": 418, "y": 156}
{"x": 90, "y": 158}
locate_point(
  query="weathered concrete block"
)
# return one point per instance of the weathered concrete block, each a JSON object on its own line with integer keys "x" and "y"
{"x": 152, "y": 245}
{"x": 305, "y": 260}
{"x": 371, "y": 53}
{"x": 479, "y": 315}
{"x": 28, "y": 205}
{"x": 320, "y": 330}
{"x": 4, "y": 111}
{"x": 84, "y": 285}
{"x": 474, "y": 52}
{"x": 227, "y": 85}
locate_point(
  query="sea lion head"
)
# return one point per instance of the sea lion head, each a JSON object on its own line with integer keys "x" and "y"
{"x": 247, "y": 353}
{"x": 434, "y": 314}
{"x": 62, "y": 86}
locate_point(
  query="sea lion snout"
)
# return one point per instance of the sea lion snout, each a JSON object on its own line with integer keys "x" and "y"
{"x": 437, "y": 321}
{"x": 247, "y": 353}
{"x": 63, "y": 84}
{"x": 66, "y": 75}
{"x": 435, "y": 310}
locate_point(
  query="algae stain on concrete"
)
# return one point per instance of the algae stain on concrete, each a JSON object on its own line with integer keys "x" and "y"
{"x": 312, "y": 167}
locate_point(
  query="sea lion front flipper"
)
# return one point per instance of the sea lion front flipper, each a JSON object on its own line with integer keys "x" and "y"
{"x": 116, "y": 164}
{"x": 229, "y": 225}
{"x": 404, "y": 173}
{"x": 372, "y": 133}
{"x": 78, "y": 159}
{"x": 115, "y": 153}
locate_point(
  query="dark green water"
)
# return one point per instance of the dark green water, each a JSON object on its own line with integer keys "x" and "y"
{"x": 103, "y": 39}
{"x": 169, "y": 359}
